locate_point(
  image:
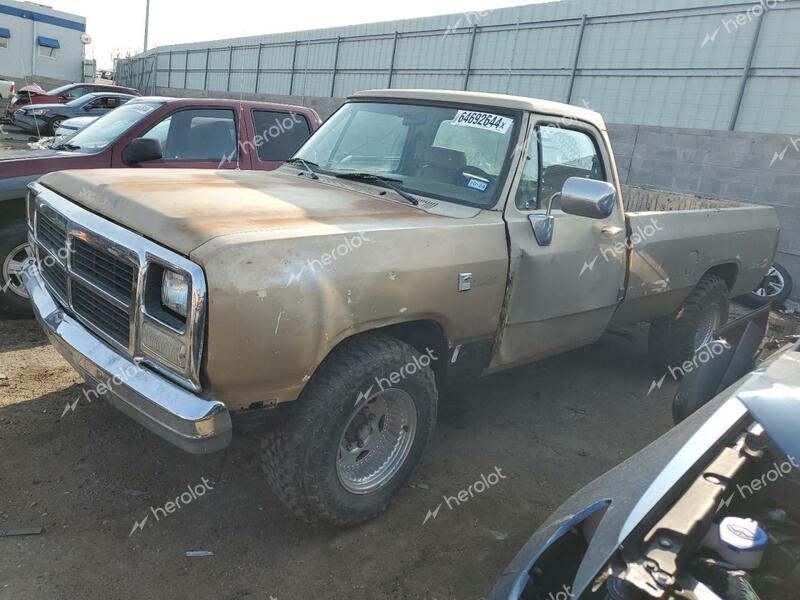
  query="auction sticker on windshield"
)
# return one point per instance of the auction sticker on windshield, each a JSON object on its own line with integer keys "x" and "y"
{"x": 482, "y": 120}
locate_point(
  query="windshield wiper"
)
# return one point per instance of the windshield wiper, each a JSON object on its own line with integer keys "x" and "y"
{"x": 66, "y": 147}
{"x": 306, "y": 166}
{"x": 388, "y": 182}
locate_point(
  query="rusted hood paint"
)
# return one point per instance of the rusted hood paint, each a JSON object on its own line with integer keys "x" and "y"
{"x": 185, "y": 208}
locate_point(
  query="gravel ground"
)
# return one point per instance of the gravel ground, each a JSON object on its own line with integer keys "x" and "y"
{"x": 13, "y": 138}
{"x": 88, "y": 475}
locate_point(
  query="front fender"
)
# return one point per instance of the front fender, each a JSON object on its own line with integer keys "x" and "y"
{"x": 277, "y": 307}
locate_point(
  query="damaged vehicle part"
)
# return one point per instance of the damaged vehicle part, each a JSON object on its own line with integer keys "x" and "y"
{"x": 708, "y": 511}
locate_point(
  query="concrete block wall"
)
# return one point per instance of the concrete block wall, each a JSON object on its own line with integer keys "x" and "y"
{"x": 751, "y": 167}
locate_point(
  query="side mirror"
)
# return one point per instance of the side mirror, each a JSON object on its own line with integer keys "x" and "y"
{"x": 142, "y": 150}
{"x": 588, "y": 198}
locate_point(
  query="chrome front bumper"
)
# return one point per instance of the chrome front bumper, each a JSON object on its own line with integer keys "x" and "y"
{"x": 191, "y": 423}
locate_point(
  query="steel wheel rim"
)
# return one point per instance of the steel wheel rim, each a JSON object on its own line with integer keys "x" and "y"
{"x": 774, "y": 284}
{"x": 376, "y": 441}
{"x": 709, "y": 322}
{"x": 13, "y": 265}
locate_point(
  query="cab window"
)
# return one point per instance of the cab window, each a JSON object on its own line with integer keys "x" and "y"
{"x": 279, "y": 134}
{"x": 554, "y": 155}
{"x": 197, "y": 135}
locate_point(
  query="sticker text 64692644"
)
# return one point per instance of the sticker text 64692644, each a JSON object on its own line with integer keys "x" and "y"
{"x": 482, "y": 120}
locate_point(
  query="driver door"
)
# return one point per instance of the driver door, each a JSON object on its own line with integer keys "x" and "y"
{"x": 564, "y": 294}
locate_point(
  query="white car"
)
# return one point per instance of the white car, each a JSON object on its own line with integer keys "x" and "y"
{"x": 7, "y": 88}
{"x": 70, "y": 126}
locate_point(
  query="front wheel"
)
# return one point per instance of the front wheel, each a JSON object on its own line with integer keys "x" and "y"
{"x": 54, "y": 124}
{"x": 360, "y": 428}
{"x": 675, "y": 339}
{"x": 14, "y": 250}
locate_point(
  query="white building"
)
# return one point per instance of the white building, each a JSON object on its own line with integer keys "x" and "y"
{"x": 39, "y": 44}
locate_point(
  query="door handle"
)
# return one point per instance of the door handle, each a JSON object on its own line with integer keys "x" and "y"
{"x": 612, "y": 231}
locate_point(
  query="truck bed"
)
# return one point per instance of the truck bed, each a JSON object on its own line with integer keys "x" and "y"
{"x": 677, "y": 238}
{"x": 639, "y": 199}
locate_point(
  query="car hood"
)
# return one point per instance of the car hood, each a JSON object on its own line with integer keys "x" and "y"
{"x": 636, "y": 490}
{"x": 33, "y": 89}
{"x": 40, "y": 106}
{"x": 10, "y": 156}
{"x": 185, "y": 208}
{"x": 79, "y": 122}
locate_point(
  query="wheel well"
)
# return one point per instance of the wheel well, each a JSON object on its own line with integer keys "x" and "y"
{"x": 728, "y": 272}
{"x": 423, "y": 335}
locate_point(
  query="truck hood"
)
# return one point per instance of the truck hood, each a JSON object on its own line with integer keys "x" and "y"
{"x": 185, "y": 208}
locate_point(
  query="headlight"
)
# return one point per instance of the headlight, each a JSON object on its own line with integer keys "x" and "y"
{"x": 175, "y": 292}
{"x": 38, "y": 112}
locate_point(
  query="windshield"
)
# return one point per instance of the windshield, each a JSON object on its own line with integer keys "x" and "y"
{"x": 451, "y": 153}
{"x": 60, "y": 90}
{"x": 80, "y": 100}
{"x": 109, "y": 127}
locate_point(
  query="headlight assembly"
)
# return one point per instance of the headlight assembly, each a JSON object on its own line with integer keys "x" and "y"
{"x": 175, "y": 292}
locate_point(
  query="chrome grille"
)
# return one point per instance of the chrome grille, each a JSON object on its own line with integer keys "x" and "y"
{"x": 51, "y": 232}
{"x": 56, "y": 277}
{"x": 109, "y": 278}
{"x": 86, "y": 277}
{"x": 115, "y": 276}
{"x": 101, "y": 313}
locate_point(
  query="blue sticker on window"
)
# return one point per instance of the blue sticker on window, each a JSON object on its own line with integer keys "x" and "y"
{"x": 477, "y": 184}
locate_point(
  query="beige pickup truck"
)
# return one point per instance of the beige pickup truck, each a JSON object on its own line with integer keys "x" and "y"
{"x": 418, "y": 239}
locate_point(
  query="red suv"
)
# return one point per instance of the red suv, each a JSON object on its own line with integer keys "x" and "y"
{"x": 33, "y": 94}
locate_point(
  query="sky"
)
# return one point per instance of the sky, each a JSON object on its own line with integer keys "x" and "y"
{"x": 117, "y": 27}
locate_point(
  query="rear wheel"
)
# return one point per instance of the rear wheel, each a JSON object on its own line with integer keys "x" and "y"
{"x": 675, "y": 339}
{"x": 774, "y": 288}
{"x": 14, "y": 250}
{"x": 360, "y": 428}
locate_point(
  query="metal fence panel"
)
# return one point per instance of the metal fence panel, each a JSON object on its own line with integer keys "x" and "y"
{"x": 365, "y": 54}
{"x": 277, "y": 57}
{"x": 274, "y": 83}
{"x": 771, "y": 104}
{"x": 713, "y": 64}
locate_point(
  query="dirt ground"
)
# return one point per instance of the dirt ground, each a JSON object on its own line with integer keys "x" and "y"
{"x": 13, "y": 138}
{"x": 88, "y": 475}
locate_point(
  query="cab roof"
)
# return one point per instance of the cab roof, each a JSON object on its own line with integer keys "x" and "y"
{"x": 534, "y": 105}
